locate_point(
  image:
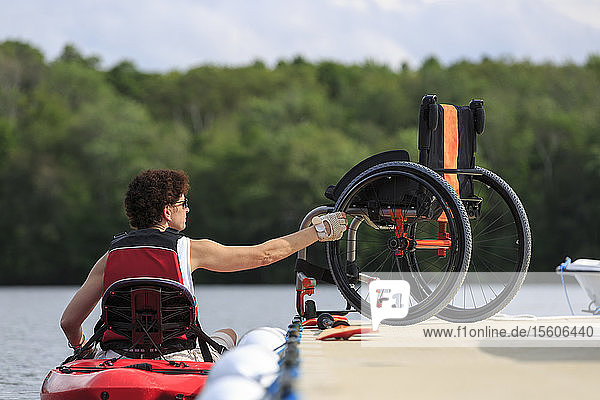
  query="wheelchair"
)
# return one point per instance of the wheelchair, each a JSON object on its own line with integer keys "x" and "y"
{"x": 456, "y": 232}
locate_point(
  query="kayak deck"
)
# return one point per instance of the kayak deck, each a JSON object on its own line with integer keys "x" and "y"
{"x": 125, "y": 379}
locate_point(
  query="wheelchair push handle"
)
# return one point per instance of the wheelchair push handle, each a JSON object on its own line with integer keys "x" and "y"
{"x": 476, "y": 107}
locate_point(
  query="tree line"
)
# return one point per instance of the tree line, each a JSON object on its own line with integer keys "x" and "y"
{"x": 261, "y": 144}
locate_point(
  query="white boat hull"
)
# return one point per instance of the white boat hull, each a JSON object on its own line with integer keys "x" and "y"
{"x": 587, "y": 274}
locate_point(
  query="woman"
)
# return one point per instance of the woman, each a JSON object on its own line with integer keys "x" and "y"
{"x": 157, "y": 208}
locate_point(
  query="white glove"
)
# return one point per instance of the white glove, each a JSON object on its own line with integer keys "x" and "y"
{"x": 337, "y": 225}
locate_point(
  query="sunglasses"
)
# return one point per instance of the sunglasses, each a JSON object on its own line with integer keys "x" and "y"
{"x": 183, "y": 202}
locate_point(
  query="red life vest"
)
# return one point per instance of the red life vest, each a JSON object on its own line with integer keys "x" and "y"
{"x": 142, "y": 253}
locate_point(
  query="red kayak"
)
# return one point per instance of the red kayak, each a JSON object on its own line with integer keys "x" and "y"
{"x": 125, "y": 379}
{"x": 144, "y": 318}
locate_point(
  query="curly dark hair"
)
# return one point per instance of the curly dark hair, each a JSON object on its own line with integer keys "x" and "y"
{"x": 149, "y": 192}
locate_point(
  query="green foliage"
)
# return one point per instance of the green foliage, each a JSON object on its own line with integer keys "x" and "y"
{"x": 71, "y": 55}
{"x": 261, "y": 145}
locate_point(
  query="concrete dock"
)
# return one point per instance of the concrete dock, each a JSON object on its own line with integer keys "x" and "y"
{"x": 474, "y": 362}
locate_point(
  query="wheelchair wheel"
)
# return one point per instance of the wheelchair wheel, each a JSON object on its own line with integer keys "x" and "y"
{"x": 500, "y": 254}
{"x": 406, "y": 223}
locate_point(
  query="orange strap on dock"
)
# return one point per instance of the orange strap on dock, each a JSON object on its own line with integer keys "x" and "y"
{"x": 451, "y": 143}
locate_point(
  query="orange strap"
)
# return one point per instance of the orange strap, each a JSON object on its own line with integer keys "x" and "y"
{"x": 451, "y": 143}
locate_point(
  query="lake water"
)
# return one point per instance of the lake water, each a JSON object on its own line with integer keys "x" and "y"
{"x": 31, "y": 342}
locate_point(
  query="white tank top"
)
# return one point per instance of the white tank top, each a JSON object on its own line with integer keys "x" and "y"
{"x": 184, "y": 255}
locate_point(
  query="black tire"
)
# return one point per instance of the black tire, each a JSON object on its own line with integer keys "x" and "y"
{"x": 500, "y": 254}
{"x": 325, "y": 321}
{"x": 423, "y": 197}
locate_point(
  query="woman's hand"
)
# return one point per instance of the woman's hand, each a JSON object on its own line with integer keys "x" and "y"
{"x": 330, "y": 226}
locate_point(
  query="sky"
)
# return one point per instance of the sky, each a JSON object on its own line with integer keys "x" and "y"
{"x": 163, "y": 35}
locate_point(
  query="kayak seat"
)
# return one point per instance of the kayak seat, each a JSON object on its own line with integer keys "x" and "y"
{"x": 148, "y": 317}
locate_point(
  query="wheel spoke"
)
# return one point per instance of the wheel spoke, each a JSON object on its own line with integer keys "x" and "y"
{"x": 500, "y": 245}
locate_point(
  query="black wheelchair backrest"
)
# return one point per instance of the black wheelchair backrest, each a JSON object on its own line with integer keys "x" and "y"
{"x": 447, "y": 139}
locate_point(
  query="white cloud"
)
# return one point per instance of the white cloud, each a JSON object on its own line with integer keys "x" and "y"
{"x": 583, "y": 11}
{"x": 166, "y": 34}
{"x": 382, "y": 48}
{"x": 357, "y": 5}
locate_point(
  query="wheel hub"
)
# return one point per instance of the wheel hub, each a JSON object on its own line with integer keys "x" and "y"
{"x": 395, "y": 243}
{"x": 400, "y": 244}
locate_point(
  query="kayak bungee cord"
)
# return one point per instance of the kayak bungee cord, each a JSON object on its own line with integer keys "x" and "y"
{"x": 142, "y": 366}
